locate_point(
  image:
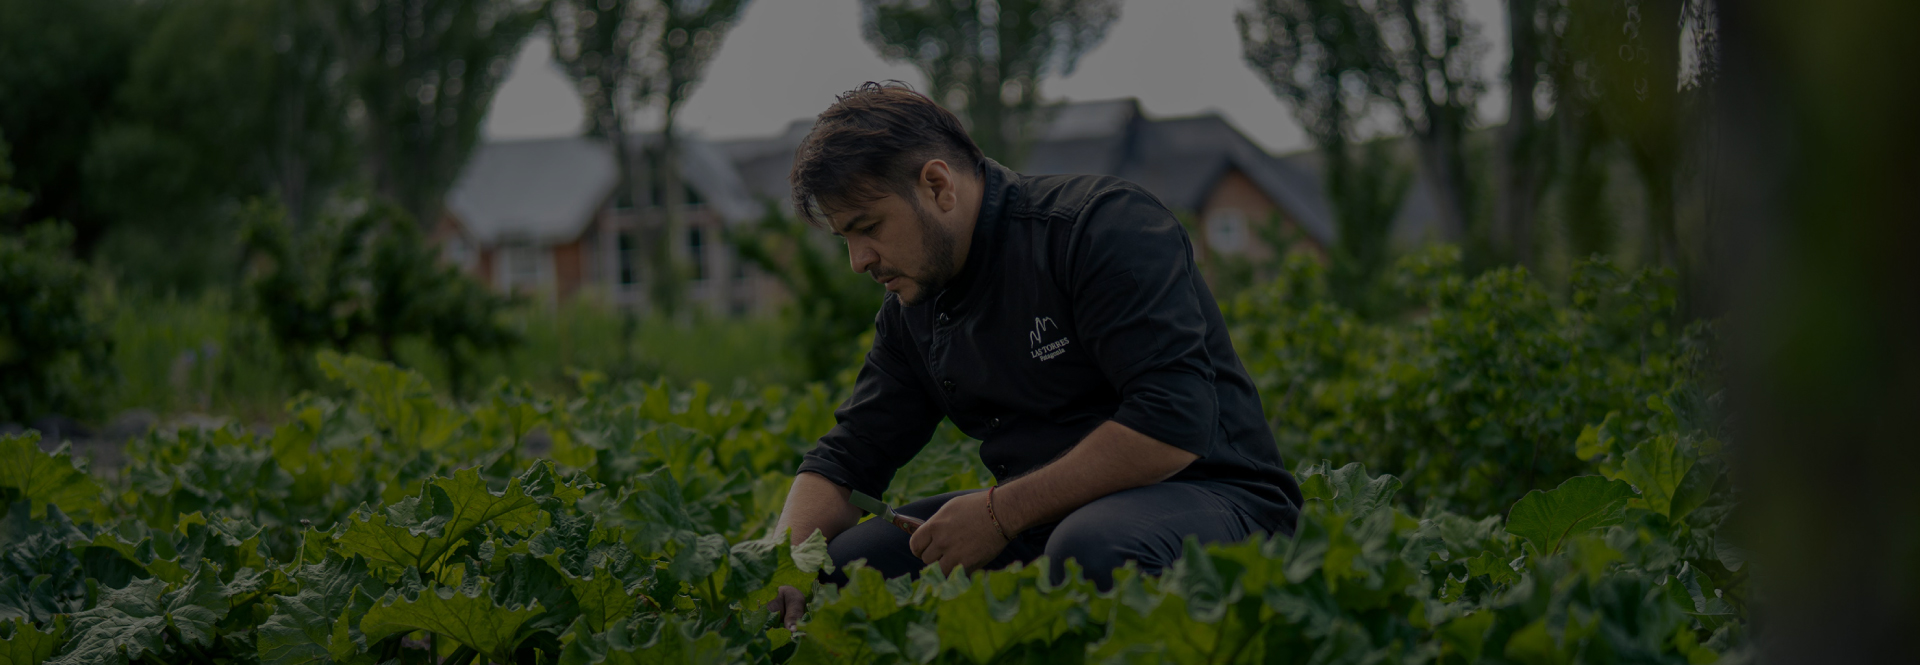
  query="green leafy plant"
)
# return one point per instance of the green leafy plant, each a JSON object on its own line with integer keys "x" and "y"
{"x": 631, "y": 523}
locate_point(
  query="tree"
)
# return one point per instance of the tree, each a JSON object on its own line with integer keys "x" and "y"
{"x": 226, "y": 100}
{"x": 425, "y": 72}
{"x": 602, "y": 45}
{"x": 831, "y": 305}
{"x": 1619, "y": 77}
{"x": 985, "y": 60}
{"x": 1817, "y": 107}
{"x": 1524, "y": 151}
{"x": 1316, "y": 55}
{"x": 53, "y": 354}
{"x": 1432, "y": 83}
{"x": 1414, "y": 56}
{"x": 63, "y": 62}
{"x": 622, "y": 55}
{"x": 366, "y": 277}
{"x": 689, "y": 36}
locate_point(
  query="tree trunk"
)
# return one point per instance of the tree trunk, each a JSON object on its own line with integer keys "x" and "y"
{"x": 1519, "y": 143}
{"x": 669, "y": 285}
{"x": 1445, "y": 169}
{"x": 1818, "y": 158}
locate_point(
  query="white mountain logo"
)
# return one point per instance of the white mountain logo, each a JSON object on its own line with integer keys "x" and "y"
{"x": 1051, "y": 350}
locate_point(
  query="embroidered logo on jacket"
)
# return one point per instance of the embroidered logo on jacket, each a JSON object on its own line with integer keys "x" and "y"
{"x": 1050, "y": 350}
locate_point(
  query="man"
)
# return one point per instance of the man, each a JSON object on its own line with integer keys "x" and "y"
{"x": 1058, "y": 319}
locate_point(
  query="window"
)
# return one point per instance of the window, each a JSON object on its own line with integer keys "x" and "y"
{"x": 623, "y": 259}
{"x": 523, "y": 268}
{"x": 457, "y": 251}
{"x": 1227, "y": 231}
{"x": 696, "y": 247}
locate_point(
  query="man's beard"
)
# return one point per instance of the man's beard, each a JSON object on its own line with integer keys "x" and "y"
{"x": 937, "y": 243}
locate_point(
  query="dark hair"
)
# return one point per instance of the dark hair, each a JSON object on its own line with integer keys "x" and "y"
{"x": 872, "y": 141}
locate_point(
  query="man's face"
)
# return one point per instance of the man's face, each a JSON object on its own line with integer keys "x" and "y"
{"x": 901, "y": 244}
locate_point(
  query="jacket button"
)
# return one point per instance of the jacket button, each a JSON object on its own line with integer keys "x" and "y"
{"x": 943, "y": 317}
{"x": 948, "y": 384}
{"x": 994, "y": 423}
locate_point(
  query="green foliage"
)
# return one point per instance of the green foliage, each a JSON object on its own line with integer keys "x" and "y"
{"x": 1471, "y": 398}
{"x": 630, "y": 523}
{"x": 225, "y": 100}
{"x": 986, "y": 62}
{"x": 831, "y": 306}
{"x": 425, "y": 73}
{"x": 367, "y": 278}
{"x": 64, "y": 61}
{"x": 43, "y": 479}
{"x": 54, "y": 353}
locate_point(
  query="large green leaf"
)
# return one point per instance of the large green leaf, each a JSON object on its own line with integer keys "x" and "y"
{"x": 673, "y": 644}
{"x": 1657, "y": 467}
{"x": 421, "y": 529}
{"x": 1547, "y": 518}
{"x": 758, "y": 568}
{"x": 314, "y": 625}
{"x": 131, "y": 622}
{"x": 1348, "y": 489}
{"x": 29, "y": 645}
{"x": 466, "y": 614}
{"x": 1000, "y": 610}
{"x": 47, "y": 478}
{"x": 399, "y": 401}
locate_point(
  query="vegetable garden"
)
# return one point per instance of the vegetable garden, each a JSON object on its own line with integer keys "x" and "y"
{"x": 1495, "y": 476}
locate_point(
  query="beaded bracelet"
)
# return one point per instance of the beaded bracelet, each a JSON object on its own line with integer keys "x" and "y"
{"x": 996, "y": 520}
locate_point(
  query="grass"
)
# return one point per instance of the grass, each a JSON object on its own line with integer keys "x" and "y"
{"x": 197, "y": 355}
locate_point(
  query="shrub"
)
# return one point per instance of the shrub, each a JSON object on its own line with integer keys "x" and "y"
{"x": 1469, "y": 397}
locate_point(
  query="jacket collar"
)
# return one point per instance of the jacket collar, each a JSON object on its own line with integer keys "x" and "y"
{"x": 995, "y": 191}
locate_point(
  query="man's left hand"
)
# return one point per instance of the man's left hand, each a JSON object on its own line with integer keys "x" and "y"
{"x": 959, "y": 535}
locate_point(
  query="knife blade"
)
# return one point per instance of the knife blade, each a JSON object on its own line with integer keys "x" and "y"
{"x": 885, "y": 512}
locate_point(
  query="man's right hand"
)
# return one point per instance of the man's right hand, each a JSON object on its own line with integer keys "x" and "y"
{"x": 788, "y": 603}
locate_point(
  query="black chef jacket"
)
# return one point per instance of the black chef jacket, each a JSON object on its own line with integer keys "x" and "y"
{"x": 1079, "y": 303}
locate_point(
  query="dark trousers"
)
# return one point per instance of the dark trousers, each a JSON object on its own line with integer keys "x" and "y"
{"x": 1144, "y": 524}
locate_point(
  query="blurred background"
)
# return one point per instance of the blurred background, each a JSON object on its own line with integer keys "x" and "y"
{"x": 196, "y": 196}
{"x": 484, "y": 188}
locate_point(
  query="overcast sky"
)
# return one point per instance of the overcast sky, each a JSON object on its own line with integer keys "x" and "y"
{"x": 788, "y": 58}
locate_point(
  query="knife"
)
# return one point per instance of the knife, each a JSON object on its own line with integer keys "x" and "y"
{"x": 883, "y": 511}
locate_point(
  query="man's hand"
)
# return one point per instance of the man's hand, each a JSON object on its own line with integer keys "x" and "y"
{"x": 959, "y": 535}
{"x": 788, "y": 603}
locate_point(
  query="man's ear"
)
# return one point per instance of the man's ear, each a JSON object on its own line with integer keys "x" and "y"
{"x": 937, "y": 177}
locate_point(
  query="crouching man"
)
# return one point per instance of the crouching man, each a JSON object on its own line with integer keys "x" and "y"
{"x": 1058, "y": 319}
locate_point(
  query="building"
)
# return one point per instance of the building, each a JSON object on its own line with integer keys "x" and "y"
{"x": 1234, "y": 194}
{"x": 549, "y": 218}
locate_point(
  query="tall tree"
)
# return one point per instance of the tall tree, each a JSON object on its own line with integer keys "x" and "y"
{"x": 62, "y": 63}
{"x": 1637, "y": 67}
{"x": 1433, "y": 84}
{"x": 1817, "y": 106}
{"x": 1524, "y": 150}
{"x": 1316, "y": 56}
{"x": 603, "y": 46}
{"x": 226, "y": 100}
{"x": 425, "y": 72}
{"x": 689, "y": 36}
{"x": 985, "y": 59}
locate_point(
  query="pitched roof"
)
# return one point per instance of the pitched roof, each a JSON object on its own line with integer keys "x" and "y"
{"x": 763, "y": 163}
{"x": 1178, "y": 159}
{"x": 707, "y": 169}
{"x": 1416, "y": 222}
{"x": 547, "y": 191}
{"x": 542, "y": 190}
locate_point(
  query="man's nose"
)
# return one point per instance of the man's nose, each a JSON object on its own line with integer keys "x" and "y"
{"x": 860, "y": 256}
